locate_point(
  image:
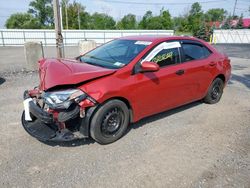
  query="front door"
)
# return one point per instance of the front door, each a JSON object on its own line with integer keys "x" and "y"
{"x": 166, "y": 88}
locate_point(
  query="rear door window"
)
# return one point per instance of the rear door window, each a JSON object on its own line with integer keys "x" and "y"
{"x": 194, "y": 51}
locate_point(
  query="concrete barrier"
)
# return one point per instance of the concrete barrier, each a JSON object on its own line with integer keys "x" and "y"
{"x": 86, "y": 45}
{"x": 33, "y": 51}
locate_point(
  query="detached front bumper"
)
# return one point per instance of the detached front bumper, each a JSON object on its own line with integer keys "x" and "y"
{"x": 40, "y": 114}
{"x": 46, "y": 127}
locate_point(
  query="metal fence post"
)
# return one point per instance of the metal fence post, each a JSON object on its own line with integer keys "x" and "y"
{"x": 65, "y": 38}
{"x": 2, "y": 38}
{"x": 24, "y": 39}
{"x": 44, "y": 35}
{"x": 42, "y": 48}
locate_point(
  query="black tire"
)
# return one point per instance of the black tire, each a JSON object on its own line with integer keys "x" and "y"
{"x": 215, "y": 91}
{"x": 109, "y": 122}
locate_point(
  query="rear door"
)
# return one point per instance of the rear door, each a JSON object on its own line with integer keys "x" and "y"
{"x": 199, "y": 64}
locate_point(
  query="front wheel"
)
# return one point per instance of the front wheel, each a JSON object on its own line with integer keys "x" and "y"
{"x": 215, "y": 91}
{"x": 110, "y": 122}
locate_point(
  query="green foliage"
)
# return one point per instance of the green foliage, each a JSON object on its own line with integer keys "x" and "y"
{"x": 22, "y": 21}
{"x": 195, "y": 9}
{"x": 181, "y": 24}
{"x": 40, "y": 15}
{"x": 87, "y": 21}
{"x": 195, "y": 18}
{"x": 226, "y": 25}
{"x": 127, "y": 22}
{"x": 101, "y": 21}
{"x": 145, "y": 19}
{"x": 216, "y": 14}
{"x": 204, "y": 32}
{"x": 166, "y": 19}
{"x": 163, "y": 21}
{"x": 72, "y": 13}
{"x": 240, "y": 23}
{"x": 43, "y": 11}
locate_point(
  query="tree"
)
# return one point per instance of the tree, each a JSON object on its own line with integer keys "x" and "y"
{"x": 181, "y": 24}
{"x": 163, "y": 21}
{"x": 101, "y": 21}
{"x": 166, "y": 19}
{"x": 226, "y": 24}
{"x": 195, "y": 18}
{"x": 204, "y": 32}
{"x": 240, "y": 23}
{"x": 72, "y": 13}
{"x": 216, "y": 14}
{"x": 127, "y": 22}
{"x": 145, "y": 20}
{"x": 155, "y": 23}
{"x": 43, "y": 11}
{"x": 22, "y": 21}
{"x": 65, "y": 18}
{"x": 195, "y": 9}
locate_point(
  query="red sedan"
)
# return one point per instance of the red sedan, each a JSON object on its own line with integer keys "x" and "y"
{"x": 101, "y": 92}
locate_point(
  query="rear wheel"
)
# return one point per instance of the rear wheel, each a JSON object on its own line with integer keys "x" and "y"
{"x": 109, "y": 122}
{"x": 215, "y": 91}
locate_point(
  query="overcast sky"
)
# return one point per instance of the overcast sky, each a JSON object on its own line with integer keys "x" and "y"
{"x": 117, "y": 10}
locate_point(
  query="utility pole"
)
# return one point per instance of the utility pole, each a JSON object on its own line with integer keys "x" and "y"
{"x": 66, "y": 14}
{"x": 234, "y": 8}
{"x": 79, "y": 23}
{"x": 61, "y": 16}
{"x": 58, "y": 29}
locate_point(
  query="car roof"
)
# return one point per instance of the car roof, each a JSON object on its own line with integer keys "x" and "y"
{"x": 161, "y": 38}
{"x": 155, "y": 38}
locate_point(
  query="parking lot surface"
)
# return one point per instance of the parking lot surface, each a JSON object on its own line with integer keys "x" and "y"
{"x": 197, "y": 145}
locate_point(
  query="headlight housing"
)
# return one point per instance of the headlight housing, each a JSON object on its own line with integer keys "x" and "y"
{"x": 63, "y": 99}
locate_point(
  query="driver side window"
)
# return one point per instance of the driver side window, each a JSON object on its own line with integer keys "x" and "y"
{"x": 166, "y": 53}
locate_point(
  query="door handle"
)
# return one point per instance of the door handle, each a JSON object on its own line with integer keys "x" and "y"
{"x": 212, "y": 64}
{"x": 180, "y": 72}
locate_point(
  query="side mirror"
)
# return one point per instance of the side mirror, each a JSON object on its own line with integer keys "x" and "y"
{"x": 148, "y": 66}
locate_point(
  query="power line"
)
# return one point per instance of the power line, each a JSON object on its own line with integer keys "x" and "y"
{"x": 247, "y": 1}
{"x": 141, "y": 3}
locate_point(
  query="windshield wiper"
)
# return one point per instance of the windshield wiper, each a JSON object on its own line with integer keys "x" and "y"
{"x": 95, "y": 64}
{"x": 108, "y": 64}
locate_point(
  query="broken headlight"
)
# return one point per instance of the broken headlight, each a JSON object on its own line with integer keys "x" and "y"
{"x": 63, "y": 99}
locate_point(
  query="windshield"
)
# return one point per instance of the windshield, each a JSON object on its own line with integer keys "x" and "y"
{"x": 115, "y": 54}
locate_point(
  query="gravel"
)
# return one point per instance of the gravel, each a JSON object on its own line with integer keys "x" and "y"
{"x": 197, "y": 145}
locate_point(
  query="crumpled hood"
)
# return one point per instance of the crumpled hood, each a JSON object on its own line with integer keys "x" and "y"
{"x": 57, "y": 72}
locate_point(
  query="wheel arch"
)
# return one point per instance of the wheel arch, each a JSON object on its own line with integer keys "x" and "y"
{"x": 221, "y": 76}
{"x": 126, "y": 101}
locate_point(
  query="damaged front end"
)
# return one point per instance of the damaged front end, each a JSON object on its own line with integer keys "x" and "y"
{"x": 61, "y": 115}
